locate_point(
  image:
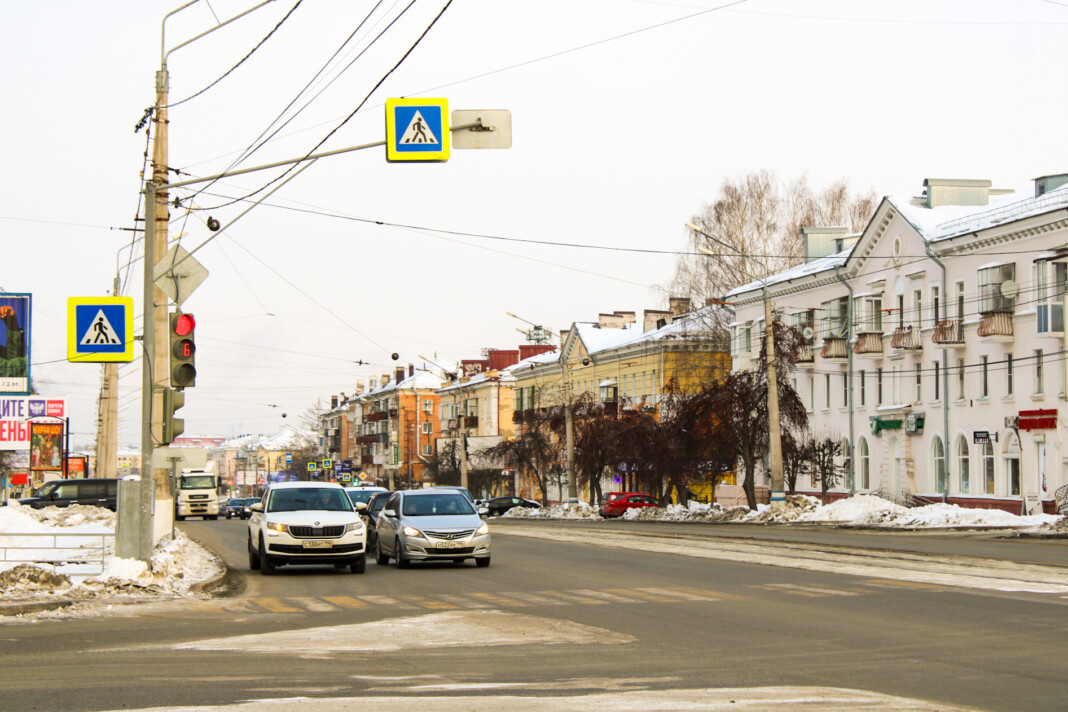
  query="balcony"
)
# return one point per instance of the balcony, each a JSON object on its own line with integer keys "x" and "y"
{"x": 906, "y": 338}
{"x": 834, "y": 347}
{"x": 805, "y": 355}
{"x": 367, "y": 459}
{"x": 869, "y": 342}
{"x": 375, "y": 416}
{"x": 364, "y": 439}
{"x": 471, "y": 421}
{"x": 996, "y": 326}
{"x": 949, "y": 332}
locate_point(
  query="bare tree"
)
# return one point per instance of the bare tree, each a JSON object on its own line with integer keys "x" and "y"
{"x": 826, "y": 468}
{"x": 760, "y": 218}
{"x": 535, "y": 450}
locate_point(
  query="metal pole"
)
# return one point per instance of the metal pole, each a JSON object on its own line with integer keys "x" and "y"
{"x": 778, "y": 489}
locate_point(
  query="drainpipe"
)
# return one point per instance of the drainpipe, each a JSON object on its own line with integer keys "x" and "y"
{"x": 849, "y": 369}
{"x": 945, "y": 371}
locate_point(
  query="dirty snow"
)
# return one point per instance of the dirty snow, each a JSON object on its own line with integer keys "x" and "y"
{"x": 859, "y": 510}
{"x": 74, "y": 568}
{"x": 582, "y": 510}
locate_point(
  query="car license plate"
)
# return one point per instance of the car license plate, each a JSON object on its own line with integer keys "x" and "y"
{"x": 318, "y": 544}
{"x": 450, "y": 545}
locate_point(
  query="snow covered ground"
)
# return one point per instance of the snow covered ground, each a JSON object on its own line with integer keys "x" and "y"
{"x": 859, "y": 510}
{"x": 68, "y": 554}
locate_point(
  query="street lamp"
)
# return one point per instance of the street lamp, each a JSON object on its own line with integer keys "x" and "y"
{"x": 778, "y": 489}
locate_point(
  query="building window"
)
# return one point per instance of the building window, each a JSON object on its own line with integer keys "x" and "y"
{"x": 835, "y": 318}
{"x": 991, "y": 294}
{"x": 827, "y": 386}
{"x": 878, "y": 386}
{"x": 960, "y": 378}
{"x": 901, "y": 311}
{"x": 868, "y": 313}
{"x": 863, "y": 395}
{"x": 426, "y": 450}
{"x": 811, "y": 393}
{"x": 1040, "y": 377}
{"x": 845, "y": 390}
{"x": 919, "y": 383}
{"x": 428, "y": 428}
{"x": 984, "y": 391}
{"x": 936, "y": 302}
{"x": 865, "y": 464}
{"x": 960, "y": 300}
{"x": 937, "y": 381}
{"x": 988, "y": 468}
{"x": 1051, "y": 282}
{"x": 1010, "y": 385}
{"x": 917, "y": 308}
{"x": 939, "y": 451}
{"x": 962, "y": 463}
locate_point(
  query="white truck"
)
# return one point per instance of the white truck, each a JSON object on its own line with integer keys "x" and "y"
{"x": 198, "y": 494}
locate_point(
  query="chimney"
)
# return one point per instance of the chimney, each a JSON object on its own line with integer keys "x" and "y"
{"x": 411, "y": 370}
{"x": 563, "y": 336}
{"x": 651, "y": 316}
{"x": 628, "y": 316}
{"x": 610, "y": 321}
{"x": 399, "y": 375}
{"x": 333, "y": 402}
{"x": 385, "y": 380}
{"x": 956, "y": 191}
{"x": 824, "y": 241}
{"x": 359, "y": 385}
{"x": 679, "y": 305}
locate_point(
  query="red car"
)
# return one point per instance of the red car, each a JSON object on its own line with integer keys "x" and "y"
{"x": 616, "y": 503}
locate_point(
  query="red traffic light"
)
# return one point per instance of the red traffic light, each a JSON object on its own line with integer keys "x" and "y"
{"x": 184, "y": 324}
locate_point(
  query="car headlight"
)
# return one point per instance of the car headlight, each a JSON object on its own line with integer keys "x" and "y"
{"x": 354, "y": 527}
{"x": 484, "y": 529}
{"x": 276, "y": 526}
{"x": 411, "y": 531}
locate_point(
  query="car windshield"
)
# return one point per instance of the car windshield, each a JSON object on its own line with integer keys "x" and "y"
{"x": 45, "y": 490}
{"x": 308, "y": 498}
{"x": 358, "y": 495}
{"x": 197, "y": 482}
{"x": 436, "y": 505}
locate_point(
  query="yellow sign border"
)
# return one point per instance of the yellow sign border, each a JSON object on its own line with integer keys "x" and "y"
{"x": 73, "y": 356}
{"x": 428, "y": 156}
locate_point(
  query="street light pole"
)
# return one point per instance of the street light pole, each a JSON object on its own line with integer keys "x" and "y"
{"x": 778, "y": 487}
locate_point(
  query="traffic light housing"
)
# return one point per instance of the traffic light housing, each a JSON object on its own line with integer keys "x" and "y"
{"x": 172, "y": 427}
{"x": 183, "y": 351}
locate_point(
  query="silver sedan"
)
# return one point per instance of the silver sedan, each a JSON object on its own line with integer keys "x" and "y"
{"x": 423, "y": 525}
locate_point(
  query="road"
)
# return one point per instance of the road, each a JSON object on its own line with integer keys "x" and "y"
{"x": 598, "y": 615}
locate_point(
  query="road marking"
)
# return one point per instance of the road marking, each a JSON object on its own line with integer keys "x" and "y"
{"x": 813, "y": 591}
{"x": 536, "y": 599}
{"x": 275, "y": 605}
{"x": 640, "y": 594}
{"x": 385, "y": 601}
{"x": 345, "y": 601}
{"x": 430, "y": 603}
{"x": 206, "y": 607}
{"x": 610, "y": 597}
{"x": 315, "y": 605}
{"x": 462, "y": 601}
{"x": 689, "y": 594}
{"x": 908, "y": 584}
{"x": 500, "y": 600}
{"x": 575, "y": 598}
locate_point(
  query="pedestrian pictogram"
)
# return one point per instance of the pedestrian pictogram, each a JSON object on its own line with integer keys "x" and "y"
{"x": 417, "y": 130}
{"x": 100, "y": 329}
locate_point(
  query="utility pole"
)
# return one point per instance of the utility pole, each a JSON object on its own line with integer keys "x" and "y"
{"x": 107, "y": 430}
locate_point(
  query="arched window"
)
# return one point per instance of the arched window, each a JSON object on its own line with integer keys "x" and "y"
{"x": 988, "y": 468}
{"x": 865, "y": 464}
{"x": 938, "y": 449}
{"x": 847, "y": 465}
{"x": 963, "y": 465}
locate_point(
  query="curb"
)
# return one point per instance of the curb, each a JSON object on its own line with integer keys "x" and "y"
{"x": 18, "y": 609}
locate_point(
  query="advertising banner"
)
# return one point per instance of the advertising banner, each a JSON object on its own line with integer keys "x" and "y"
{"x": 46, "y": 446}
{"x": 16, "y": 411}
{"x": 77, "y": 466}
{"x": 14, "y": 344}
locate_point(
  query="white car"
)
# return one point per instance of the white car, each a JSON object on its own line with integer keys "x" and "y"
{"x": 306, "y": 523}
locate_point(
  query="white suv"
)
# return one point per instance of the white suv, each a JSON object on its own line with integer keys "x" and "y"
{"x": 306, "y": 523}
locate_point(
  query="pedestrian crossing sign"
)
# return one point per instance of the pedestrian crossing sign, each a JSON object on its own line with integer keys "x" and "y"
{"x": 417, "y": 130}
{"x": 100, "y": 329}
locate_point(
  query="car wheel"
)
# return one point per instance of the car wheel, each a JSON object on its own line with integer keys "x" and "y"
{"x": 253, "y": 557}
{"x": 380, "y": 556}
{"x": 266, "y": 565}
{"x": 213, "y": 517}
{"x": 482, "y": 563}
{"x": 358, "y": 565}
{"x": 402, "y": 563}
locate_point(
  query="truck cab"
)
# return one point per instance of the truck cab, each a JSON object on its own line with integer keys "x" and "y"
{"x": 197, "y": 495}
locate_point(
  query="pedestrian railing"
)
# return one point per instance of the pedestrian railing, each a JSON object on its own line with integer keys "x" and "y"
{"x": 77, "y": 553}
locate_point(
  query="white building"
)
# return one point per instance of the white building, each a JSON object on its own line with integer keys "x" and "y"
{"x": 937, "y": 343}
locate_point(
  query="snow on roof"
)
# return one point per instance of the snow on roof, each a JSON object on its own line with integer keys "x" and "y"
{"x": 284, "y": 439}
{"x": 820, "y": 264}
{"x": 950, "y": 220}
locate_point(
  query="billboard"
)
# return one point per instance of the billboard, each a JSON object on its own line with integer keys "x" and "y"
{"x": 46, "y": 446}
{"x": 16, "y": 412}
{"x": 14, "y": 344}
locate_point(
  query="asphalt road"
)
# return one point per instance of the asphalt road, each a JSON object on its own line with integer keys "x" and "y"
{"x": 570, "y": 618}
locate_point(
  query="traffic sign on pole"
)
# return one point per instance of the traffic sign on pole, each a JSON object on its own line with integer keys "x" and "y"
{"x": 100, "y": 329}
{"x": 417, "y": 130}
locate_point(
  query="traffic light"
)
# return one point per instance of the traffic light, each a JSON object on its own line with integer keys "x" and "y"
{"x": 172, "y": 427}
{"x": 183, "y": 351}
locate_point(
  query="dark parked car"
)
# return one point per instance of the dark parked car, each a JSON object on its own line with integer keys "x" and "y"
{"x": 499, "y": 505}
{"x": 370, "y": 515}
{"x": 239, "y": 508}
{"x": 63, "y": 493}
{"x": 616, "y": 503}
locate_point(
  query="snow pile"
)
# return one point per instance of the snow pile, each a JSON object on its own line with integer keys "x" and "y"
{"x": 582, "y": 510}
{"x": 861, "y": 509}
{"x": 72, "y": 565}
{"x": 950, "y": 515}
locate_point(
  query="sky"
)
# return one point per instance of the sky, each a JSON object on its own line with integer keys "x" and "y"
{"x": 627, "y": 116}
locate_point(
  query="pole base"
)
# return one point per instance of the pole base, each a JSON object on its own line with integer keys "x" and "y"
{"x": 778, "y": 499}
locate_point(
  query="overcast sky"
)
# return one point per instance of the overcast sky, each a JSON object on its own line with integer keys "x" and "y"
{"x": 627, "y": 115}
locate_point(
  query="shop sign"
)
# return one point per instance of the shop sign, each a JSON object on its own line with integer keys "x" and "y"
{"x": 914, "y": 423}
{"x": 1038, "y": 419}
{"x": 980, "y": 437}
{"x": 878, "y": 424}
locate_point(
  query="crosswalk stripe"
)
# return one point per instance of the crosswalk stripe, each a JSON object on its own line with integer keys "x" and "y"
{"x": 500, "y": 600}
{"x": 610, "y": 597}
{"x": 792, "y": 588}
{"x": 345, "y": 601}
{"x": 575, "y": 598}
{"x": 315, "y": 605}
{"x": 687, "y": 594}
{"x": 535, "y": 599}
{"x": 430, "y": 603}
{"x": 385, "y": 601}
{"x": 462, "y": 601}
{"x": 206, "y": 607}
{"x": 275, "y": 605}
{"x": 639, "y": 593}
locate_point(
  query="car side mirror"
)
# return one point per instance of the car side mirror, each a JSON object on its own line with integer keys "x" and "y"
{"x": 483, "y": 511}
{"x": 389, "y": 513}
{"x": 361, "y": 506}
{"x": 258, "y": 507}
